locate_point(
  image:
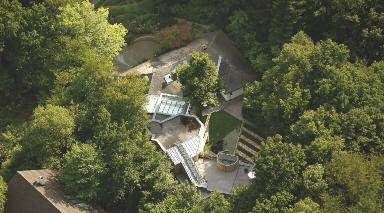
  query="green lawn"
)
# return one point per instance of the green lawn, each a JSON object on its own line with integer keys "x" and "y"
{"x": 220, "y": 125}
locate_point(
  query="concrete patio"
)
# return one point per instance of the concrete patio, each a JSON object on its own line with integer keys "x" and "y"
{"x": 219, "y": 181}
{"x": 172, "y": 131}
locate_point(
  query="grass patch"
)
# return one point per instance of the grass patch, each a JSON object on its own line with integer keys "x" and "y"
{"x": 220, "y": 125}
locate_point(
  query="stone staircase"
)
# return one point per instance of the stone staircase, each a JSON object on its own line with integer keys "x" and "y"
{"x": 248, "y": 145}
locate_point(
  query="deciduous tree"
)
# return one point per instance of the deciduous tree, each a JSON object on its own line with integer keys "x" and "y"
{"x": 3, "y": 193}
{"x": 279, "y": 165}
{"x": 82, "y": 171}
{"x": 47, "y": 138}
{"x": 200, "y": 80}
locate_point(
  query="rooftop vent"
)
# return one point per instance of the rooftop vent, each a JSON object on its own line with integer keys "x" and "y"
{"x": 40, "y": 181}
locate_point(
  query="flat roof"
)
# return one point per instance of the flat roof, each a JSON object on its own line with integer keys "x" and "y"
{"x": 172, "y": 131}
{"x": 221, "y": 181}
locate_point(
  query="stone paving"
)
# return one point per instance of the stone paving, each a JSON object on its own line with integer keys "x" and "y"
{"x": 230, "y": 140}
{"x": 234, "y": 107}
{"x": 220, "y": 181}
{"x": 172, "y": 132}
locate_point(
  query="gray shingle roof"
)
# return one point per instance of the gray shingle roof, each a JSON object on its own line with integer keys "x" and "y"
{"x": 235, "y": 71}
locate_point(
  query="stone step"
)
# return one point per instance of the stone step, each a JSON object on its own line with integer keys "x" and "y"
{"x": 242, "y": 159}
{"x": 245, "y": 152}
{"x": 256, "y": 136}
{"x": 250, "y": 150}
{"x": 243, "y": 156}
{"x": 252, "y": 144}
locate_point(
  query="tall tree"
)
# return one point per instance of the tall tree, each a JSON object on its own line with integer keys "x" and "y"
{"x": 306, "y": 206}
{"x": 200, "y": 80}
{"x": 307, "y": 76}
{"x": 185, "y": 198}
{"x": 41, "y": 50}
{"x": 82, "y": 22}
{"x": 279, "y": 202}
{"x": 47, "y": 138}
{"x": 215, "y": 203}
{"x": 355, "y": 182}
{"x": 279, "y": 165}
{"x": 137, "y": 174}
{"x": 313, "y": 180}
{"x": 82, "y": 171}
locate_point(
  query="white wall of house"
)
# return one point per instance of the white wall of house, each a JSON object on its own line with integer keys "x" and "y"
{"x": 233, "y": 94}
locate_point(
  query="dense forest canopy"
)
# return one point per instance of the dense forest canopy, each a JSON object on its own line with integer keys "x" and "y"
{"x": 260, "y": 27}
{"x": 319, "y": 97}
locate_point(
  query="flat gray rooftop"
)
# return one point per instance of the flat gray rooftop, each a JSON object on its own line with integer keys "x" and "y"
{"x": 220, "y": 181}
{"x": 172, "y": 131}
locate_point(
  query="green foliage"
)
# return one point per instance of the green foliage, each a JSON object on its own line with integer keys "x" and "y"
{"x": 363, "y": 130}
{"x": 243, "y": 198}
{"x": 324, "y": 97}
{"x": 279, "y": 165}
{"x": 313, "y": 180}
{"x": 261, "y": 27}
{"x": 82, "y": 171}
{"x": 10, "y": 20}
{"x": 279, "y": 202}
{"x": 238, "y": 23}
{"x": 313, "y": 124}
{"x": 47, "y": 137}
{"x": 323, "y": 147}
{"x": 318, "y": 93}
{"x": 306, "y": 206}
{"x": 10, "y": 143}
{"x": 41, "y": 48}
{"x": 185, "y": 198}
{"x": 64, "y": 50}
{"x": 82, "y": 22}
{"x": 355, "y": 181}
{"x": 356, "y": 23}
{"x": 93, "y": 87}
{"x": 137, "y": 173}
{"x": 3, "y": 193}
{"x": 215, "y": 203}
{"x": 200, "y": 80}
